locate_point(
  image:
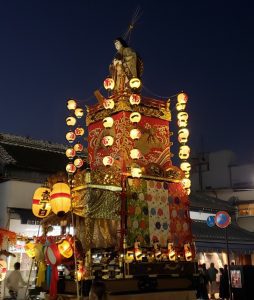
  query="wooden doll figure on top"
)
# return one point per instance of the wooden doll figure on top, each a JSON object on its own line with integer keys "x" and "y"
{"x": 125, "y": 65}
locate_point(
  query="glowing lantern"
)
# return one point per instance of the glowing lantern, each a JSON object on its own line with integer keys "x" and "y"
{"x": 188, "y": 191}
{"x": 135, "y": 134}
{"x": 182, "y": 98}
{"x": 187, "y": 252}
{"x": 135, "y": 154}
{"x": 108, "y": 160}
{"x": 3, "y": 269}
{"x": 136, "y": 171}
{"x": 135, "y": 99}
{"x": 109, "y": 83}
{"x": 187, "y": 174}
{"x": 135, "y": 117}
{"x": 80, "y": 270}
{"x": 30, "y": 249}
{"x": 180, "y": 106}
{"x": 65, "y": 248}
{"x": 183, "y": 135}
{"x": 70, "y": 152}
{"x": 184, "y": 152}
{"x": 79, "y": 112}
{"x": 71, "y": 121}
{"x": 186, "y": 183}
{"x": 182, "y": 119}
{"x": 135, "y": 83}
{"x": 41, "y": 205}
{"x": 60, "y": 199}
{"x": 171, "y": 252}
{"x": 70, "y": 136}
{"x": 108, "y": 122}
{"x": 185, "y": 166}
{"x": 108, "y": 103}
{"x": 71, "y": 104}
{"x": 107, "y": 141}
{"x": 79, "y": 131}
{"x": 78, "y": 162}
{"x": 70, "y": 168}
{"x": 78, "y": 147}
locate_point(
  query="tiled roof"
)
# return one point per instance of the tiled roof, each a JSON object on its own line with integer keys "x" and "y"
{"x": 28, "y": 154}
{"x": 203, "y": 202}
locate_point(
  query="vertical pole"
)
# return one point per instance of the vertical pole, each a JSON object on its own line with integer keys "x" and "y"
{"x": 229, "y": 275}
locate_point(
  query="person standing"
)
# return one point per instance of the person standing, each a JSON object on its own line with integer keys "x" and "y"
{"x": 14, "y": 280}
{"x": 212, "y": 272}
{"x": 224, "y": 283}
{"x": 202, "y": 292}
{"x": 98, "y": 291}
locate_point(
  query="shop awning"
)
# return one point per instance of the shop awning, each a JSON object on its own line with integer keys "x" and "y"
{"x": 217, "y": 246}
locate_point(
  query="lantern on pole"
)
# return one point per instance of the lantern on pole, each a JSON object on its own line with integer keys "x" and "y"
{"x": 71, "y": 104}
{"x": 60, "y": 199}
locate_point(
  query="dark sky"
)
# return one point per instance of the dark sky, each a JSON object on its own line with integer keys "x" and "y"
{"x": 55, "y": 49}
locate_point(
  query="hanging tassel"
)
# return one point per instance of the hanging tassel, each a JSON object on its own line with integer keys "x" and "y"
{"x": 53, "y": 282}
{"x": 41, "y": 274}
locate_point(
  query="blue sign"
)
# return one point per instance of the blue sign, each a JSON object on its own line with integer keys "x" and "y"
{"x": 210, "y": 221}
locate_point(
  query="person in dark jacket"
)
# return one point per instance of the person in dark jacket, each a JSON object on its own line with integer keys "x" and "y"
{"x": 224, "y": 283}
{"x": 202, "y": 292}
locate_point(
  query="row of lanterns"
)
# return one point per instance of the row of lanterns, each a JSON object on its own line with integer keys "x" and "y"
{"x": 135, "y": 118}
{"x": 183, "y": 135}
{"x": 57, "y": 200}
{"x": 73, "y": 152}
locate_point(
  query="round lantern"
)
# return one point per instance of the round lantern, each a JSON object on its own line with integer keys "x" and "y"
{"x": 185, "y": 166}
{"x": 108, "y": 122}
{"x": 135, "y": 154}
{"x": 60, "y": 198}
{"x": 108, "y": 160}
{"x": 184, "y": 152}
{"x": 109, "y": 84}
{"x": 134, "y": 99}
{"x": 65, "y": 248}
{"x": 3, "y": 269}
{"x": 78, "y": 162}
{"x": 180, "y": 106}
{"x": 182, "y": 119}
{"x": 107, "y": 141}
{"x": 183, "y": 135}
{"x": 30, "y": 249}
{"x": 108, "y": 103}
{"x": 186, "y": 174}
{"x": 135, "y": 83}
{"x": 182, "y": 98}
{"x": 187, "y": 252}
{"x": 186, "y": 183}
{"x": 70, "y": 136}
{"x": 41, "y": 206}
{"x": 78, "y": 147}
{"x": 71, "y": 104}
{"x": 71, "y": 121}
{"x": 188, "y": 191}
{"x": 135, "y": 134}
{"x": 136, "y": 171}
{"x": 79, "y": 131}
{"x": 53, "y": 255}
{"x": 70, "y": 168}
{"x": 135, "y": 117}
{"x": 79, "y": 112}
{"x": 70, "y": 153}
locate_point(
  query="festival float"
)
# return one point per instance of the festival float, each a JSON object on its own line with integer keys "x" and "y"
{"x": 127, "y": 203}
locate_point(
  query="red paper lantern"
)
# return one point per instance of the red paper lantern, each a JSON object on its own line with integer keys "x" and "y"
{"x": 109, "y": 83}
{"x": 79, "y": 131}
{"x": 78, "y": 147}
{"x": 135, "y": 99}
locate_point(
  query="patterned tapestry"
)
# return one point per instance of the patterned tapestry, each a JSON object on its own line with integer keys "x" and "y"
{"x": 154, "y": 141}
{"x": 157, "y": 211}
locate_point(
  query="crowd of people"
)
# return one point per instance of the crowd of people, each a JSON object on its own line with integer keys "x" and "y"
{"x": 207, "y": 282}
